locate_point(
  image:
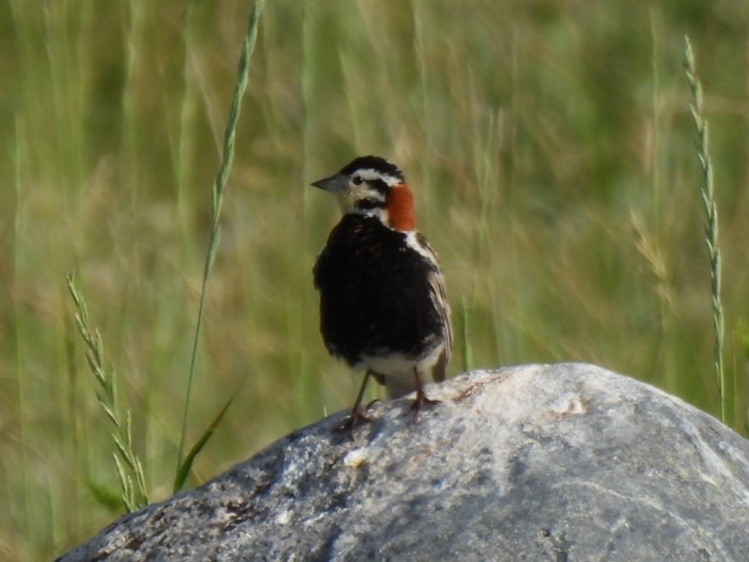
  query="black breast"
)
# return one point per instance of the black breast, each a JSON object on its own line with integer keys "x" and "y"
{"x": 374, "y": 292}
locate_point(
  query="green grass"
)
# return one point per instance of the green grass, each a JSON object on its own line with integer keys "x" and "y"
{"x": 184, "y": 464}
{"x": 133, "y": 489}
{"x": 550, "y": 146}
{"x": 710, "y": 209}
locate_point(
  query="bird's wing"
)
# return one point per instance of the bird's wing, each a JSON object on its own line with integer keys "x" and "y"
{"x": 438, "y": 293}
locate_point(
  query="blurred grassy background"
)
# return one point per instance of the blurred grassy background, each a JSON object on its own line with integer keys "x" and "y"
{"x": 548, "y": 143}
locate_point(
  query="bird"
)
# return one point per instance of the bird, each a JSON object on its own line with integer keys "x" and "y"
{"x": 383, "y": 304}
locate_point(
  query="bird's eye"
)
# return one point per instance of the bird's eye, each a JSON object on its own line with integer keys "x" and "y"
{"x": 356, "y": 180}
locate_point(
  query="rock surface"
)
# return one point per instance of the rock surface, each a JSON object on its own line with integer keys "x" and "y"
{"x": 540, "y": 462}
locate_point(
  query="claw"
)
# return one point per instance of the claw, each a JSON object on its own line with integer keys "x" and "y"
{"x": 357, "y": 417}
{"x": 421, "y": 400}
{"x": 358, "y": 412}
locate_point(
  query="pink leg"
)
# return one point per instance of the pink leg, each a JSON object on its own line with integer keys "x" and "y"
{"x": 357, "y": 412}
{"x": 421, "y": 397}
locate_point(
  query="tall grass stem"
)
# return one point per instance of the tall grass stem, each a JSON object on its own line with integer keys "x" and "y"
{"x": 217, "y": 196}
{"x": 707, "y": 193}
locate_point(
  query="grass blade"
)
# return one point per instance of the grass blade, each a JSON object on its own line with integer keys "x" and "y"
{"x": 184, "y": 468}
{"x": 106, "y": 395}
{"x": 219, "y": 185}
{"x": 707, "y": 195}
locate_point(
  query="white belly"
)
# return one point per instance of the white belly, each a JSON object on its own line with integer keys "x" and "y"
{"x": 398, "y": 369}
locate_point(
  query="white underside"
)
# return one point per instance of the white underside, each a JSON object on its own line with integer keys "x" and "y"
{"x": 398, "y": 369}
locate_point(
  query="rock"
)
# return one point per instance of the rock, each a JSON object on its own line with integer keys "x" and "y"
{"x": 553, "y": 462}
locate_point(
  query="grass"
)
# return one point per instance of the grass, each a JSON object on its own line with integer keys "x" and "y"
{"x": 710, "y": 209}
{"x": 217, "y": 197}
{"x": 552, "y": 153}
{"x": 133, "y": 491}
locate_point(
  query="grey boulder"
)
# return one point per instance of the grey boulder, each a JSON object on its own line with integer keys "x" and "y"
{"x": 539, "y": 462}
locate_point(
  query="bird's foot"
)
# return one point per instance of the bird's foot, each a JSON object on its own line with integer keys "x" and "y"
{"x": 421, "y": 402}
{"x": 357, "y": 418}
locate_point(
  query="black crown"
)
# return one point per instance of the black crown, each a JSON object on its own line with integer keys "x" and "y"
{"x": 374, "y": 163}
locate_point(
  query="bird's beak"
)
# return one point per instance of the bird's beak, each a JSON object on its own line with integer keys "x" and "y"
{"x": 334, "y": 184}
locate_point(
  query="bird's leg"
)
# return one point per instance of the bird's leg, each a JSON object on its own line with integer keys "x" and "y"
{"x": 421, "y": 397}
{"x": 358, "y": 414}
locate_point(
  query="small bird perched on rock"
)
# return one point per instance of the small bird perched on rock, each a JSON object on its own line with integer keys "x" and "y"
{"x": 383, "y": 306}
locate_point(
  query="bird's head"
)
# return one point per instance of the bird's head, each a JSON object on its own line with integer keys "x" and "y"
{"x": 372, "y": 186}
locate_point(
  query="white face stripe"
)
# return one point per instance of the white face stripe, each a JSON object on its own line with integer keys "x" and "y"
{"x": 350, "y": 197}
{"x": 370, "y": 174}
